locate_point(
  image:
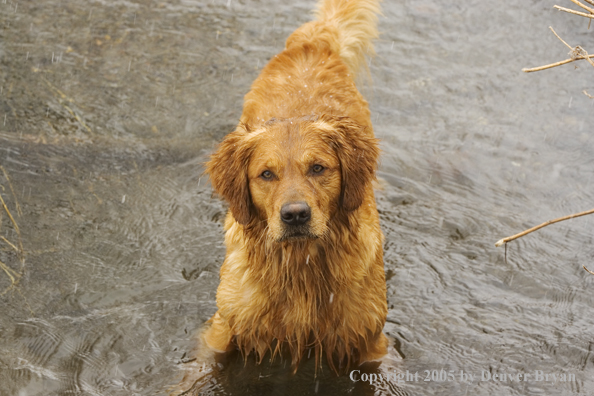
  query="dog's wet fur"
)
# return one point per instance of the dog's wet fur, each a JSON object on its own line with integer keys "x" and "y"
{"x": 304, "y": 264}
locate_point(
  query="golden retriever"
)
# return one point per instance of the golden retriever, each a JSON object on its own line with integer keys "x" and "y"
{"x": 304, "y": 264}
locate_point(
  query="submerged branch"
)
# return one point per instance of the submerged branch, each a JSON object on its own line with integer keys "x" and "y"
{"x": 16, "y": 202}
{"x": 12, "y": 274}
{"x": 21, "y": 251}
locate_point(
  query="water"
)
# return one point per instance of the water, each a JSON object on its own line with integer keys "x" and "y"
{"x": 108, "y": 110}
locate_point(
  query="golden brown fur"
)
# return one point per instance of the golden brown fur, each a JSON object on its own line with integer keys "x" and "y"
{"x": 304, "y": 137}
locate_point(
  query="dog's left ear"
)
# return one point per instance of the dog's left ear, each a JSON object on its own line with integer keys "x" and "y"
{"x": 358, "y": 153}
{"x": 228, "y": 173}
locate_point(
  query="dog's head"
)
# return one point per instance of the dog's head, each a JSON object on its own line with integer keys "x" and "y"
{"x": 294, "y": 174}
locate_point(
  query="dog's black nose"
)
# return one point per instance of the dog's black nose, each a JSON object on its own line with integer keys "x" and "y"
{"x": 295, "y": 213}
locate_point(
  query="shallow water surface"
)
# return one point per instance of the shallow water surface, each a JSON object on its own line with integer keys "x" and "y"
{"x": 114, "y": 240}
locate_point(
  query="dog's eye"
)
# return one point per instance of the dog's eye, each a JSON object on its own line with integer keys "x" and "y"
{"x": 266, "y": 175}
{"x": 317, "y": 168}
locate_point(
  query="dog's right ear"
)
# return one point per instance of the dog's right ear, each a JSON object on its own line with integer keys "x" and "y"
{"x": 228, "y": 173}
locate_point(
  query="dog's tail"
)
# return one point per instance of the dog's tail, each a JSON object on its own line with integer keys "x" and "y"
{"x": 356, "y": 23}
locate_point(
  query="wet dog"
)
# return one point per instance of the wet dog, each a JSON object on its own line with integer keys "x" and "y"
{"x": 304, "y": 264}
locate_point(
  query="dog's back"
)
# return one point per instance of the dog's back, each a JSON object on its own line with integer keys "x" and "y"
{"x": 315, "y": 74}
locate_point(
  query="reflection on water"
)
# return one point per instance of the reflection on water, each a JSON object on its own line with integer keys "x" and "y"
{"x": 108, "y": 109}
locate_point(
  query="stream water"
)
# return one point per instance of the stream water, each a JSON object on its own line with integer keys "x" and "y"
{"x": 111, "y": 251}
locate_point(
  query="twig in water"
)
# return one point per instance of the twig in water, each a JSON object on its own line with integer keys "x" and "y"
{"x": 504, "y": 241}
{"x": 576, "y": 53}
{"x": 521, "y": 234}
{"x": 539, "y": 68}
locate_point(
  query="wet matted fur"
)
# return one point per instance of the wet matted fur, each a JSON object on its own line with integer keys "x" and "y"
{"x": 304, "y": 263}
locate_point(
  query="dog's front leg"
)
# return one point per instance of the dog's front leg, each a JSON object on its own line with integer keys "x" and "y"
{"x": 214, "y": 338}
{"x": 217, "y": 336}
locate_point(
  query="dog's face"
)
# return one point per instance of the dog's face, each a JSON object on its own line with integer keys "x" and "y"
{"x": 294, "y": 180}
{"x": 294, "y": 174}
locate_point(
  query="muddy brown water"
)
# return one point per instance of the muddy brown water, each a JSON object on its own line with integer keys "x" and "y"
{"x": 108, "y": 109}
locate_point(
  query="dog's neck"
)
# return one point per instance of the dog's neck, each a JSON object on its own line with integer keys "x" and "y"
{"x": 310, "y": 262}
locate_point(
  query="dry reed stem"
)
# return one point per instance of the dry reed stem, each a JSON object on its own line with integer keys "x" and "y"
{"x": 16, "y": 227}
{"x": 588, "y": 269}
{"x": 569, "y": 10}
{"x": 62, "y": 95}
{"x": 576, "y": 53}
{"x": 14, "y": 223}
{"x": 528, "y": 231}
{"x": 534, "y": 69}
{"x": 560, "y": 39}
{"x": 12, "y": 274}
{"x": 585, "y": 7}
{"x": 77, "y": 117}
{"x": 19, "y": 250}
{"x": 16, "y": 202}
{"x": 9, "y": 243}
